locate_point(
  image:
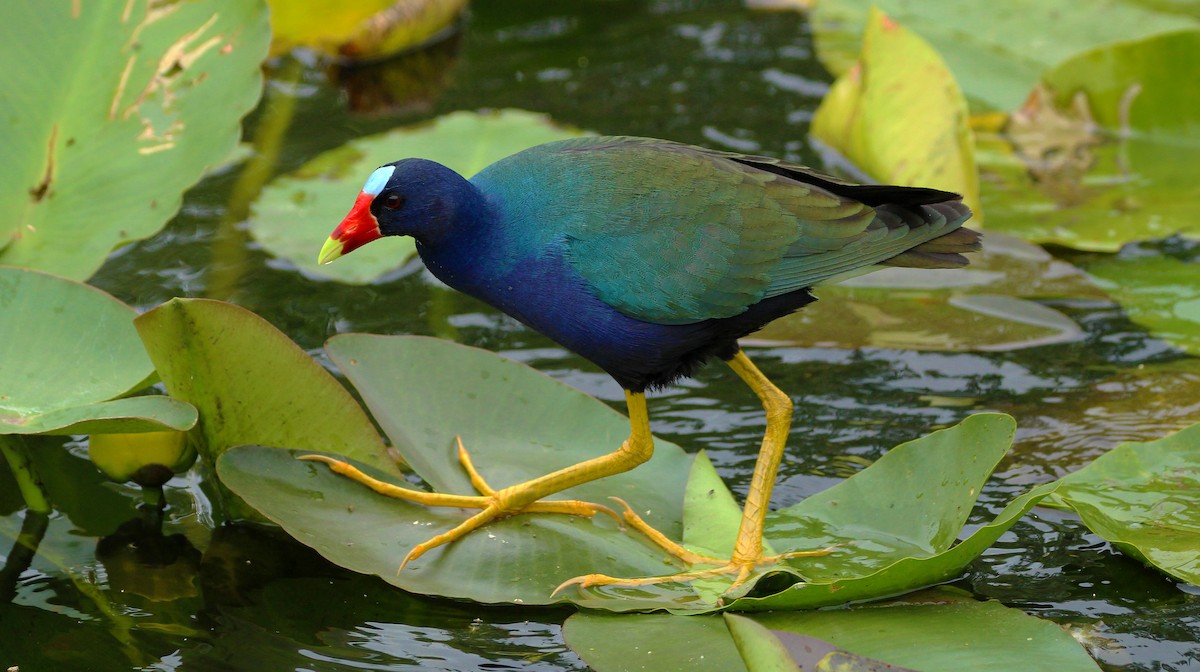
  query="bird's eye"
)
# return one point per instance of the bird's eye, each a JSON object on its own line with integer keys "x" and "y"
{"x": 393, "y": 201}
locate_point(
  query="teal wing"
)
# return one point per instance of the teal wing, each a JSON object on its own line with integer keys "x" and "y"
{"x": 673, "y": 234}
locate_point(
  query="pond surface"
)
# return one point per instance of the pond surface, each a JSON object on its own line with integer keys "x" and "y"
{"x": 709, "y": 73}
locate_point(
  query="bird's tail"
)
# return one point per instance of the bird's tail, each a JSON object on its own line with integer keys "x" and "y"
{"x": 945, "y": 251}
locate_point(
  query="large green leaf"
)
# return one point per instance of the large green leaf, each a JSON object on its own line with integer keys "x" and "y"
{"x": 517, "y": 424}
{"x": 112, "y": 109}
{"x": 1054, "y": 179}
{"x": 477, "y": 396}
{"x": 897, "y": 522}
{"x": 996, "y": 50}
{"x": 1145, "y": 499}
{"x": 66, "y": 350}
{"x": 933, "y": 631}
{"x": 986, "y": 306}
{"x": 252, "y": 384}
{"x": 899, "y": 115}
{"x": 297, "y": 212}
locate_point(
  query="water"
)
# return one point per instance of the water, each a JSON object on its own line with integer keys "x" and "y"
{"x": 703, "y": 72}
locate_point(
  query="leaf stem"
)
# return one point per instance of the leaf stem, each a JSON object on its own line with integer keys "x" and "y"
{"x": 16, "y": 452}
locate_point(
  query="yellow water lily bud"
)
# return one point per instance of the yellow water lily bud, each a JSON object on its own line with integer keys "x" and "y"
{"x": 147, "y": 458}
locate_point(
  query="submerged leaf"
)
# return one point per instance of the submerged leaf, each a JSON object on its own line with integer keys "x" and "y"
{"x": 297, "y": 212}
{"x": 114, "y": 110}
{"x": 1145, "y": 499}
{"x": 66, "y": 350}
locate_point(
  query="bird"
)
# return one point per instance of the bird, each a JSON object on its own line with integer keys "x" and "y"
{"x": 649, "y": 258}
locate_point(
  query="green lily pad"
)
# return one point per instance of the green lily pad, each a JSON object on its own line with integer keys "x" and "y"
{"x": 121, "y": 107}
{"x": 896, "y": 537}
{"x": 899, "y": 115}
{"x": 1158, "y": 292}
{"x": 252, "y": 384}
{"x": 986, "y": 306}
{"x": 997, "y": 51}
{"x": 1145, "y": 499}
{"x": 66, "y": 351}
{"x": 933, "y": 631}
{"x": 518, "y": 424}
{"x": 296, "y": 213}
{"x": 1056, "y": 179}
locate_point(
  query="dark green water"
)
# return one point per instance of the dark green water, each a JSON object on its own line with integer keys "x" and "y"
{"x": 704, "y": 72}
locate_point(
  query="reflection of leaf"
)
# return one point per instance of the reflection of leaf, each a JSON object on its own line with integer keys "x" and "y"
{"x": 1145, "y": 499}
{"x": 899, "y": 114}
{"x": 57, "y": 377}
{"x": 982, "y": 307}
{"x": 121, "y": 107}
{"x": 296, "y": 213}
{"x": 996, "y": 50}
{"x": 1098, "y": 197}
{"x": 935, "y": 631}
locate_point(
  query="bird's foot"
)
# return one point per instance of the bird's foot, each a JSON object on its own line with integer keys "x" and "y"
{"x": 740, "y": 568}
{"x": 493, "y": 504}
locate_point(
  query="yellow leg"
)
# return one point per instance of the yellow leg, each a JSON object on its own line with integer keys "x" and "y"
{"x": 747, "y": 549}
{"x": 523, "y": 497}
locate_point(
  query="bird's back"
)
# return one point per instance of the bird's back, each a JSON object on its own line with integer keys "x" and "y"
{"x": 675, "y": 234}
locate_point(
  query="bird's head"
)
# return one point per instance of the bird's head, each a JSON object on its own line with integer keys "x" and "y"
{"x": 412, "y": 197}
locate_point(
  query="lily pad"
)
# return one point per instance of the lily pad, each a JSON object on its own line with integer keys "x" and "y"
{"x": 297, "y": 212}
{"x": 1145, "y": 499}
{"x": 1158, "y": 292}
{"x": 66, "y": 351}
{"x": 895, "y": 537}
{"x": 122, "y": 106}
{"x": 477, "y": 395}
{"x": 987, "y": 306}
{"x": 360, "y": 30}
{"x": 1051, "y": 181}
{"x": 252, "y": 384}
{"x": 997, "y": 51}
{"x": 899, "y": 115}
{"x": 933, "y": 631}
{"x": 518, "y": 424}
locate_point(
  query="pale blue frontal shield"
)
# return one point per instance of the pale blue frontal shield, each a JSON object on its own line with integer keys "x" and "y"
{"x": 378, "y": 179}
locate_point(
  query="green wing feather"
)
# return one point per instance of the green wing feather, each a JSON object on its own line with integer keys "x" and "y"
{"x": 673, "y": 234}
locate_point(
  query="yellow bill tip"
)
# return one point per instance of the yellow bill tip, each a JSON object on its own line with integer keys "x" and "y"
{"x": 330, "y": 251}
